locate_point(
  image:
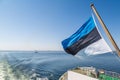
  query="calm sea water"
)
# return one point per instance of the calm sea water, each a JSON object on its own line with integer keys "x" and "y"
{"x": 52, "y": 64}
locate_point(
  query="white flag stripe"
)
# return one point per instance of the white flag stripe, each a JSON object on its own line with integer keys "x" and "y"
{"x": 99, "y": 47}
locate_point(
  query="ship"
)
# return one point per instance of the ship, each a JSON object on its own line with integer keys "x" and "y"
{"x": 85, "y": 38}
{"x": 89, "y": 73}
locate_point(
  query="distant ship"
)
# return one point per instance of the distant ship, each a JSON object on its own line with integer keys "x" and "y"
{"x": 36, "y": 51}
{"x": 89, "y": 73}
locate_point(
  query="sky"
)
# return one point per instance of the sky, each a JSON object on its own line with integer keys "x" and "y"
{"x": 43, "y": 24}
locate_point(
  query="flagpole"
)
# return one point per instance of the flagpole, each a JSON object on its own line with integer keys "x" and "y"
{"x": 106, "y": 30}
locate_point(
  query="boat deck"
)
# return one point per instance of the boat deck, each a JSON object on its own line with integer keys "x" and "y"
{"x": 90, "y": 73}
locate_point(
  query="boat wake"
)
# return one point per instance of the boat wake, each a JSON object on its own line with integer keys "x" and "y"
{"x": 6, "y": 72}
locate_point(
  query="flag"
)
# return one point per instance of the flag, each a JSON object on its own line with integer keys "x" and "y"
{"x": 86, "y": 35}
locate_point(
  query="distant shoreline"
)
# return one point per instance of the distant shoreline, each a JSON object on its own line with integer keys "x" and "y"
{"x": 30, "y": 51}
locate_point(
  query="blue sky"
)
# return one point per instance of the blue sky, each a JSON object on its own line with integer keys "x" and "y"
{"x": 43, "y": 24}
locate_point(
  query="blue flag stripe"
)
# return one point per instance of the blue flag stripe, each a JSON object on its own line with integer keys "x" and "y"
{"x": 82, "y": 31}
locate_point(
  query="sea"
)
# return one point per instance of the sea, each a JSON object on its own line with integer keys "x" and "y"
{"x": 50, "y": 65}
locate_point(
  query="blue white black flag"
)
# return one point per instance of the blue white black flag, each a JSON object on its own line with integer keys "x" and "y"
{"x": 87, "y": 36}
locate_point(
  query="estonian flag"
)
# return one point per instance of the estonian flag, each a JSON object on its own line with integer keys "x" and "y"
{"x": 86, "y": 36}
